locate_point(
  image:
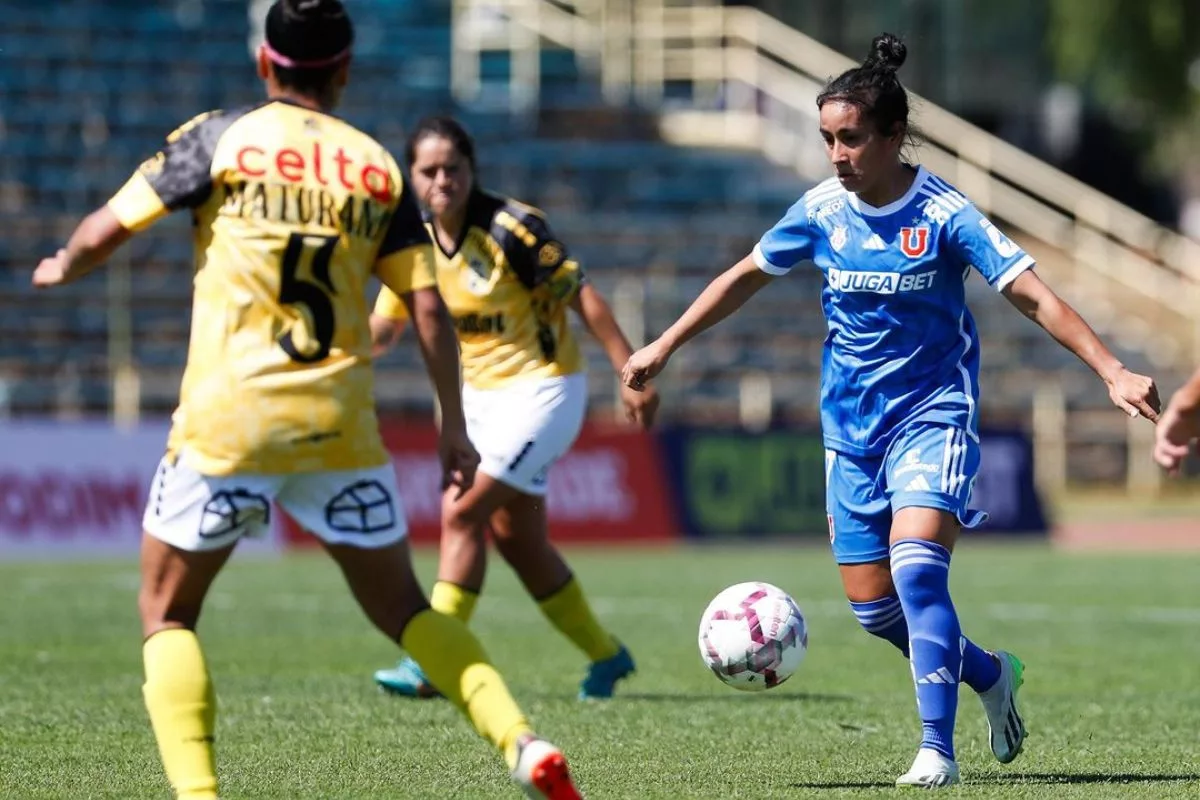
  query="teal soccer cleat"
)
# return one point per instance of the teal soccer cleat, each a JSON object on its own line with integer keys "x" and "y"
{"x": 602, "y": 676}
{"x": 407, "y": 679}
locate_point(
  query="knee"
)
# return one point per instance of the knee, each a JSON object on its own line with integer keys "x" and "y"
{"x": 158, "y": 612}
{"x": 463, "y": 520}
{"x": 920, "y": 572}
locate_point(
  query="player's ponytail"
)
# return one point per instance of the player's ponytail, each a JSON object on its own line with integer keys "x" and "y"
{"x": 887, "y": 52}
{"x": 874, "y": 86}
{"x": 308, "y": 41}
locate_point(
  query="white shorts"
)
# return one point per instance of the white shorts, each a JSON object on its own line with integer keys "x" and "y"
{"x": 195, "y": 512}
{"x": 520, "y": 430}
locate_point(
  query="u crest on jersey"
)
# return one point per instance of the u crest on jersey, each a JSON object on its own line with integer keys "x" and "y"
{"x": 914, "y": 242}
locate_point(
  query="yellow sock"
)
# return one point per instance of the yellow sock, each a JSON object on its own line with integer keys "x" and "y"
{"x": 454, "y": 601}
{"x": 455, "y": 663}
{"x": 569, "y": 611}
{"x": 183, "y": 711}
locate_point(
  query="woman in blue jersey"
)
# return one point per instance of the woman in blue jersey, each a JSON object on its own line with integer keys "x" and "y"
{"x": 899, "y": 386}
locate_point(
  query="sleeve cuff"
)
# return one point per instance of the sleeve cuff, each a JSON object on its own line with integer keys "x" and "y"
{"x": 137, "y": 206}
{"x": 760, "y": 261}
{"x": 1012, "y": 272}
{"x": 407, "y": 270}
{"x": 388, "y": 304}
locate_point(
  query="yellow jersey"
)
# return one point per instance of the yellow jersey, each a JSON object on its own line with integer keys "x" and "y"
{"x": 507, "y": 285}
{"x": 293, "y": 211}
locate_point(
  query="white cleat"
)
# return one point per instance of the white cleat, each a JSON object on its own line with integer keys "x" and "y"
{"x": 1006, "y": 728}
{"x": 542, "y": 771}
{"x": 930, "y": 770}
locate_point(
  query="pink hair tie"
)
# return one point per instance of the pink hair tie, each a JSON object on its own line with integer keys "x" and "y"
{"x": 291, "y": 63}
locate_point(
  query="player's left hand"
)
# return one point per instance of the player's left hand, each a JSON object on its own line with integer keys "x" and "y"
{"x": 1135, "y": 394}
{"x": 641, "y": 407}
{"x": 51, "y": 271}
{"x": 1174, "y": 438}
{"x": 459, "y": 458}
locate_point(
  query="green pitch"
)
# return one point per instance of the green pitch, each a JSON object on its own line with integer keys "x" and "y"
{"x": 1112, "y": 696}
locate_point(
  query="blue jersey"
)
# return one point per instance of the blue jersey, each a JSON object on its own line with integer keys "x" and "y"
{"x": 902, "y": 346}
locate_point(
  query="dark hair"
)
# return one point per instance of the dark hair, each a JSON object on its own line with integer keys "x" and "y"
{"x": 447, "y": 128}
{"x": 308, "y": 41}
{"x": 874, "y": 87}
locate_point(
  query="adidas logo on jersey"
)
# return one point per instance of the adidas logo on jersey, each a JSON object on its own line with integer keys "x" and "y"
{"x": 874, "y": 242}
{"x": 918, "y": 484}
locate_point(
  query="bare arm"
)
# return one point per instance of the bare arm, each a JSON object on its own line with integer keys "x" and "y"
{"x": 1187, "y": 399}
{"x": 1132, "y": 393}
{"x": 598, "y": 318}
{"x": 1179, "y": 426}
{"x": 640, "y": 407}
{"x": 439, "y": 349}
{"x": 94, "y": 240}
{"x": 728, "y": 292}
{"x": 385, "y": 332}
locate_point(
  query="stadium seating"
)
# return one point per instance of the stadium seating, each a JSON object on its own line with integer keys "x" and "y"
{"x": 93, "y": 89}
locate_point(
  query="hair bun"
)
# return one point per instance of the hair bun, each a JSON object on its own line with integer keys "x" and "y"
{"x": 887, "y": 52}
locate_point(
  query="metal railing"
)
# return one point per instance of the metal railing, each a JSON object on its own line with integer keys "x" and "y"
{"x": 751, "y": 81}
{"x": 736, "y": 77}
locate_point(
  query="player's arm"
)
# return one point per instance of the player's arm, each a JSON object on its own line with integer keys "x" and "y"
{"x": 178, "y": 176}
{"x": 787, "y": 244}
{"x": 95, "y": 239}
{"x": 1134, "y": 394}
{"x": 640, "y": 407}
{"x": 387, "y": 321}
{"x": 1179, "y": 426}
{"x": 728, "y": 292}
{"x": 598, "y": 318}
{"x": 405, "y": 265}
{"x": 1009, "y": 270}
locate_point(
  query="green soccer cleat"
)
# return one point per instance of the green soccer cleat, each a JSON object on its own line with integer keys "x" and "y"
{"x": 407, "y": 679}
{"x": 1006, "y": 728}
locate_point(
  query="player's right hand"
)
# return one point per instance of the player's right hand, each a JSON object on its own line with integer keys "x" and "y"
{"x": 1174, "y": 437}
{"x": 1135, "y": 394}
{"x": 644, "y": 365}
{"x": 459, "y": 458}
{"x": 51, "y": 271}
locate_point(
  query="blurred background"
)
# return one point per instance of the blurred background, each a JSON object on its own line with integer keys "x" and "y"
{"x": 661, "y": 137}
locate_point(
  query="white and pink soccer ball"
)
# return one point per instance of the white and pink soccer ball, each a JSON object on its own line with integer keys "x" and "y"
{"x": 753, "y": 636}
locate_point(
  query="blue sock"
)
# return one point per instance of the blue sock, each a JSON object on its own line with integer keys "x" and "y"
{"x": 980, "y": 670}
{"x": 884, "y": 618}
{"x": 921, "y": 574}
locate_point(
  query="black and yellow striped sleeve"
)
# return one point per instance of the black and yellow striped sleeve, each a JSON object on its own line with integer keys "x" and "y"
{"x": 539, "y": 259}
{"x": 405, "y": 260}
{"x": 178, "y": 176}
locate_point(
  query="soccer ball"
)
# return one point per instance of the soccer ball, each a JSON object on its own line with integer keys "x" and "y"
{"x": 753, "y": 636}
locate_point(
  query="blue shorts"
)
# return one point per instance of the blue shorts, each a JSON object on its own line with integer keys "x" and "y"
{"x": 928, "y": 465}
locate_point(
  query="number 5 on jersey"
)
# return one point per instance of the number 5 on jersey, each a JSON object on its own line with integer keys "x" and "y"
{"x": 312, "y": 295}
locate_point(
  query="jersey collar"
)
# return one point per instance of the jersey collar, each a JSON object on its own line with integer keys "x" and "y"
{"x": 868, "y": 210}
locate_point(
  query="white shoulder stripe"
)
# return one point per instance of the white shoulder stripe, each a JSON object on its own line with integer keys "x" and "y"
{"x": 826, "y": 190}
{"x": 941, "y": 202}
{"x": 945, "y": 191}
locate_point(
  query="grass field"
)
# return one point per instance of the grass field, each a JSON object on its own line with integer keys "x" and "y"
{"x": 1112, "y": 696}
